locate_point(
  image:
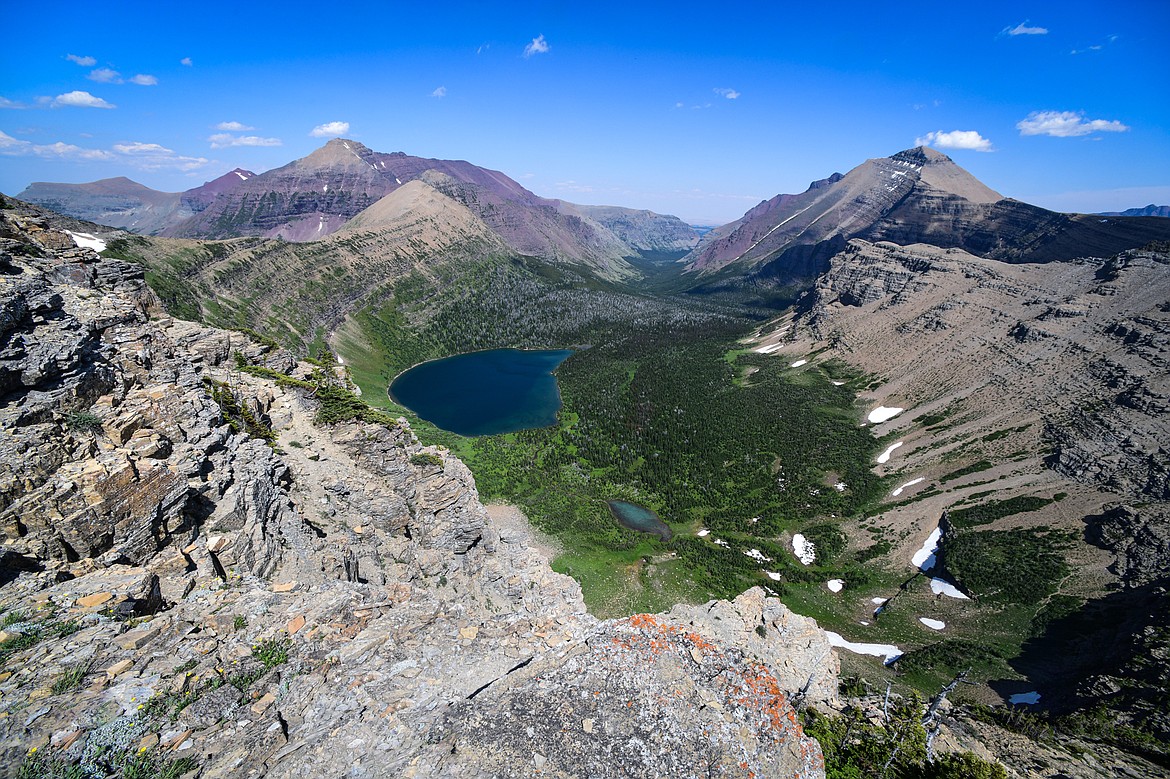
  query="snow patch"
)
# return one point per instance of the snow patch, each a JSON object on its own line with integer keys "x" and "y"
{"x": 703, "y": 533}
{"x": 888, "y": 651}
{"x": 924, "y": 558}
{"x": 910, "y": 483}
{"x": 805, "y": 550}
{"x": 397, "y": 180}
{"x": 878, "y": 601}
{"x": 943, "y": 587}
{"x": 838, "y": 383}
{"x": 325, "y": 188}
{"x": 835, "y": 585}
{"x": 721, "y": 542}
{"x": 840, "y": 486}
{"x": 769, "y": 348}
{"x": 1027, "y": 698}
{"x": 87, "y": 241}
{"x": 798, "y": 363}
{"x": 884, "y": 457}
{"x": 241, "y": 175}
{"x": 773, "y": 576}
{"x": 882, "y": 413}
{"x": 758, "y": 556}
{"x": 933, "y": 624}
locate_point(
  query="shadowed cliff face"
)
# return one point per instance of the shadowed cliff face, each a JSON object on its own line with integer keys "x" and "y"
{"x": 202, "y": 572}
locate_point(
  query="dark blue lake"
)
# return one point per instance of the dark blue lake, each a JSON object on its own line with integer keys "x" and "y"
{"x": 484, "y": 393}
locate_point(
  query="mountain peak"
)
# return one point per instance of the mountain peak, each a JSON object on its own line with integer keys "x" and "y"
{"x": 338, "y": 152}
{"x": 921, "y": 155}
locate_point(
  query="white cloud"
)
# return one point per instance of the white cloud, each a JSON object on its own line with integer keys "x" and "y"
{"x": 155, "y": 156}
{"x": 440, "y": 92}
{"x": 1066, "y": 124}
{"x": 955, "y": 139}
{"x": 1023, "y": 29}
{"x": 105, "y": 76}
{"x": 6, "y": 103}
{"x": 85, "y": 62}
{"x": 17, "y": 148}
{"x": 234, "y": 127}
{"x": 144, "y": 80}
{"x": 226, "y": 140}
{"x": 330, "y": 129}
{"x": 186, "y": 61}
{"x": 80, "y": 99}
{"x": 728, "y": 93}
{"x": 137, "y": 147}
{"x": 538, "y": 46}
{"x": 136, "y": 154}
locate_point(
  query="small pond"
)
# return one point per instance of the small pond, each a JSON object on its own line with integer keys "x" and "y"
{"x": 639, "y": 518}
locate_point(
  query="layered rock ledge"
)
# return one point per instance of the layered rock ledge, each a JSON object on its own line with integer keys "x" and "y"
{"x": 335, "y": 601}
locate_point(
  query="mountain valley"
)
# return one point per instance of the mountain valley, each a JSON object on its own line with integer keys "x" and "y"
{"x": 734, "y": 383}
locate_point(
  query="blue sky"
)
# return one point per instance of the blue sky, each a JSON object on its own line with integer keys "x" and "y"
{"x": 697, "y": 110}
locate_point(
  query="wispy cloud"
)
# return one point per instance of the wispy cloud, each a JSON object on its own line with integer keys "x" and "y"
{"x": 726, "y": 92}
{"x": 186, "y": 61}
{"x": 1023, "y": 29}
{"x": 85, "y": 62}
{"x": 227, "y": 140}
{"x": 482, "y": 48}
{"x": 105, "y": 76}
{"x": 136, "y": 154}
{"x": 330, "y": 129}
{"x": 969, "y": 140}
{"x": 144, "y": 80}
{"x": 440, "y": 92}
{"x": 154, "y": 156}
{"x": 234, "y": 127}
{"x": 13, "y": 104}
{"x": 1066, "y": 124}
{"x": 1095, "y": 47}
{"x": 538, "y": 46}
{"x": 80, "y": 99}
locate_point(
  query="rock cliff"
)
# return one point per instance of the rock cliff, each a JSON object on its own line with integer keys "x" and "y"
{"x": 193, "y": 572}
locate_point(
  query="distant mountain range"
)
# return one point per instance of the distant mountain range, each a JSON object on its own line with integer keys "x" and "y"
{"x": 1150, "y": 210}
{"x": 120, "y": 202}
{"x": 313, "y": 197}
{"x": 915, "y": 196}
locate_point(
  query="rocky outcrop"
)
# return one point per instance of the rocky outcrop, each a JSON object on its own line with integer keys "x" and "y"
{"x": 192, "y": 570}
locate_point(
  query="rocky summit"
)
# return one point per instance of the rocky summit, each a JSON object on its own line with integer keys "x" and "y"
{"x": 201, "y": 574}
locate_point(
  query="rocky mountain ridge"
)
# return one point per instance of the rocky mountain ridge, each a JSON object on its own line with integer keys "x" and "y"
{"x": 178, "y": 591}
{"x": 915, "y": 196}
{"x": 1022, "y": 382}
{"x": 122, "y": 203}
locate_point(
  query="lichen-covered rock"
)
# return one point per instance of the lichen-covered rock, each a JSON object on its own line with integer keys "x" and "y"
{"x": 641, "y": 697}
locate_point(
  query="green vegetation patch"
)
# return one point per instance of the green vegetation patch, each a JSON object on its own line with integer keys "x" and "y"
{"x": 982, "y": 465}
{"x": 1019, "y": 566}
{"x": 994, "y": 510}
